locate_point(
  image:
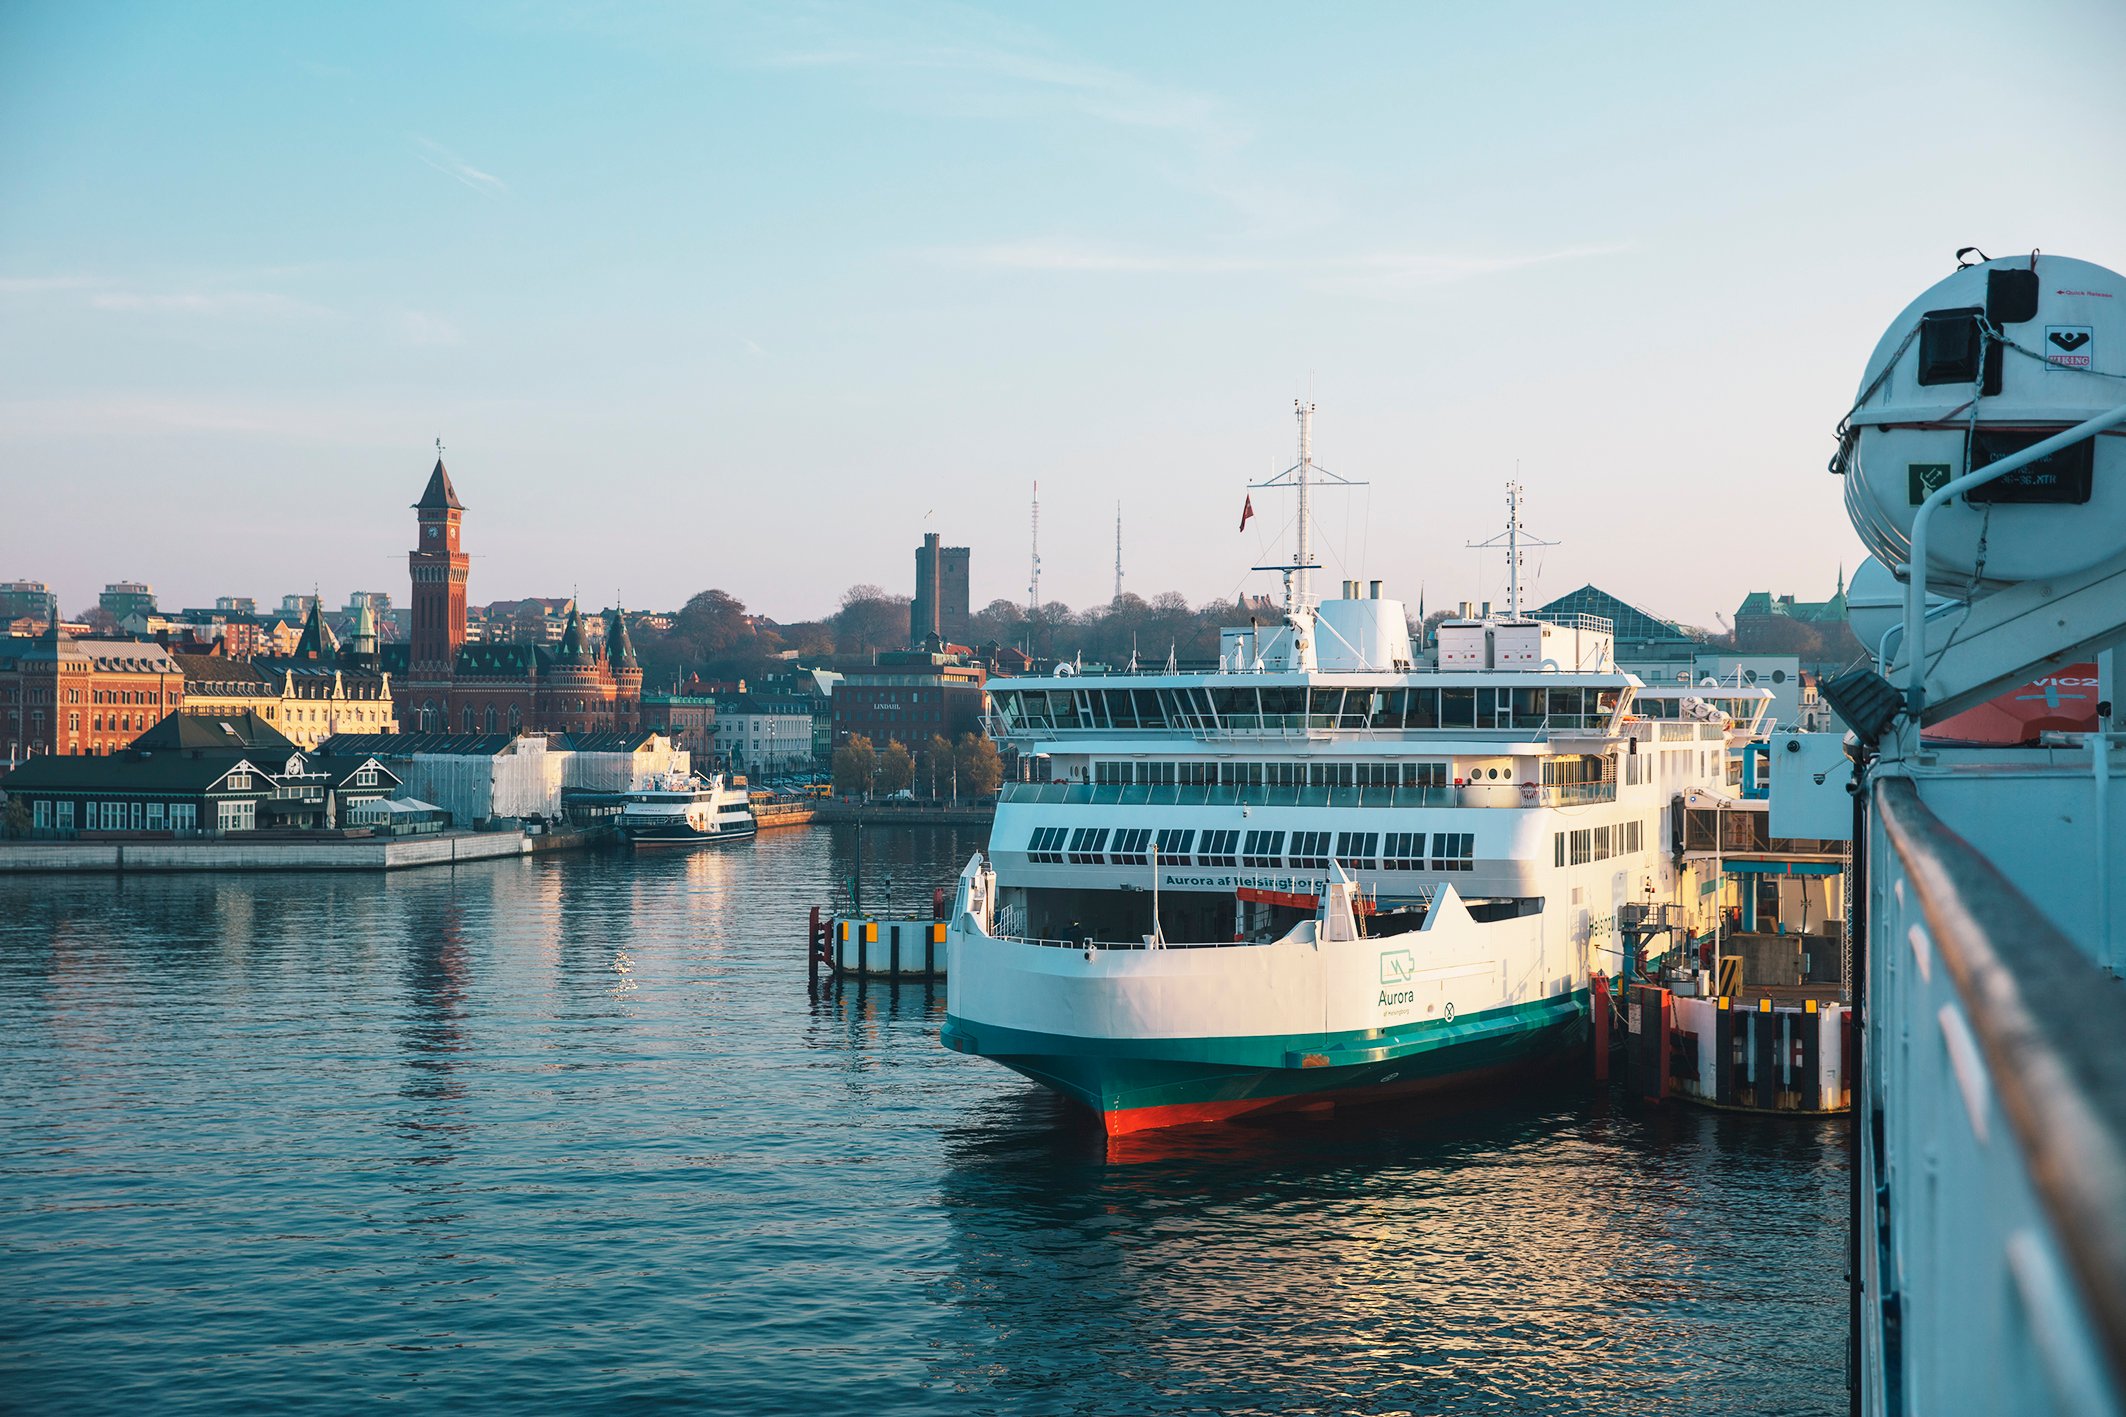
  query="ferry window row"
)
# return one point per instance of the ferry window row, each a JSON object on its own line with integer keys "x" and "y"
{"x": 1254, "y": 850}
{"x": 1211, "y": 774}
{"x": 1663, "y": 706}
{"x": 1229, "y": 707}
{"x": 1591, "y": 844}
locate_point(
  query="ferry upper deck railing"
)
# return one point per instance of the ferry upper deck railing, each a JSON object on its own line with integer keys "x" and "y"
{"x": 1146, "y": 794}
{"x": 1999, "y": 1052}
{"x": 1300, "y": 727}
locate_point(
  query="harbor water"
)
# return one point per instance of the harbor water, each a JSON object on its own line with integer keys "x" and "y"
{"x": 568, "y": 1133}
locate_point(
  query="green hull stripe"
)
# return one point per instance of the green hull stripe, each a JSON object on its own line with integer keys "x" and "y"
{"x": 1114, "y": 1074}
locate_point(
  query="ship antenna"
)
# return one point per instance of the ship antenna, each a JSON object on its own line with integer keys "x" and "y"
{"x": 1299, "y": 577}
{"x": 1513, "y": 538}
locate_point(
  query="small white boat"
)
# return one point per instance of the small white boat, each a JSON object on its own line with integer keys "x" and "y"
{"x": 682, "y": 809}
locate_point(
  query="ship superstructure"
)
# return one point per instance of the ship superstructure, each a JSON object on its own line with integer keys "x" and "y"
{"x": 684, "y": 809}
{"x": 1331, "y": 867}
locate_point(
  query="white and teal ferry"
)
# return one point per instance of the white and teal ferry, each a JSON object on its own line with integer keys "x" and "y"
{"x": 1331, "y": 869}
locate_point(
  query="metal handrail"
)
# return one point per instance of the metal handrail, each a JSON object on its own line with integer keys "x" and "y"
{"x": 1102, "y": 945}
{"x": 2052, "y": 1028}
{"x": 1145, "y": 794}
{"x": 1299, "y": 726}
{"x": 1915, "y": 635}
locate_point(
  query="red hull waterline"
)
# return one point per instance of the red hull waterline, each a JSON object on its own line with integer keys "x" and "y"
{"x": 1123, "y": 1121}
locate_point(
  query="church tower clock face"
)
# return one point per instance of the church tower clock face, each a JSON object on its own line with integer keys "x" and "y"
{"x": 431, "y": 533}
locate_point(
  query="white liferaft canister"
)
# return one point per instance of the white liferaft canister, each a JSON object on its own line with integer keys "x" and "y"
{"x": 2033, "y": 344}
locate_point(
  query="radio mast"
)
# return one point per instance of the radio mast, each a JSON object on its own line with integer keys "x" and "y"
{"x": 1033, "y": 584}
{"x": 1118, "y": 553}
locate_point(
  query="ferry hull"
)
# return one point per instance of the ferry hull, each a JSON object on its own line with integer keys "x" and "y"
{"x": 666, "y": 837}
{"x": 1135, "y": 1085}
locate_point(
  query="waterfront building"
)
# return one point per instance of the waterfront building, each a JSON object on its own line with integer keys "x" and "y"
{"x": 71, "y": 695}
{"x": 31, "y": 600}
{"x": 760, "y": 733}
{"x": 479, "y": 778}
{"x": 123, "y": 598}
{"x": 687, "y": 713}
{"x": 192, "y": 774}
{"x": 236, "y": 604}
{"x": 940, "y": 605}
{"x": 908, "y": 695}
{"x": 586, "y": 682}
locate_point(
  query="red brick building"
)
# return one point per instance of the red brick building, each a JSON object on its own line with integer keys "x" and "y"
{"x": 59, "y": 694}
{"x": 908, "y": 695}
{"x": 442, "y": 684}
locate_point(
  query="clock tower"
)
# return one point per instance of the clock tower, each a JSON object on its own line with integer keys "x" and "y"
{"x": 439, "y": 570}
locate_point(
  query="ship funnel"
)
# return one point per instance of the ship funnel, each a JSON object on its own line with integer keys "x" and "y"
{"x": 1376, "y": 591}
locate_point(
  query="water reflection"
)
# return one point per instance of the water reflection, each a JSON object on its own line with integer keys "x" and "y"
{"x": 1507, "y": 1254}
{"x": 339, "y": 1139}
{"x": 432, "y": 1034}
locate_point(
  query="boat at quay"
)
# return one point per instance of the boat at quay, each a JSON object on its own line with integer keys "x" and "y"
{"x": 1331, "y": 869}
{"x": 685, "y": 809}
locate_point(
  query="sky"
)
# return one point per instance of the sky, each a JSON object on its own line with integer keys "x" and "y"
{"x": 754, "y": 296}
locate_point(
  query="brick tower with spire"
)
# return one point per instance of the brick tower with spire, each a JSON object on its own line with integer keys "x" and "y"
{"x": 439, "y": 572}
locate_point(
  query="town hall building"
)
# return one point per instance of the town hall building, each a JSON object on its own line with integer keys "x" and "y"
{"x": 443, "y": 684}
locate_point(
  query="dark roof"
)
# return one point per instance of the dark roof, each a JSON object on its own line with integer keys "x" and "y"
{"x": 619, "y": 647}
{"x": 573, "y": 650}
{"x": 340, "y": 766}
{"x": 237, "y": 733}
{"x": 393, "y": 658}
{"x": 217, "y": 669}
{"x": 440, "y": 493}
{"x": 405, "y": 745}
{"x": 742, "y": 704}
{"x": 317, "y": 643}
{"x": 506, "y": 660}
{"x": 1630, "y": 621}
{"x": 604, "y": 742}
{"x": 131, "y": 772}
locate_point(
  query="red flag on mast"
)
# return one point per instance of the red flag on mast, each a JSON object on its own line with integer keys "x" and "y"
{"x": 1247, "y": 509}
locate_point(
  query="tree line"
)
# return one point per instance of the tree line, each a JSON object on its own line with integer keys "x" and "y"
{"x": 716, "y": 637}
{"x": 937, "y": 769}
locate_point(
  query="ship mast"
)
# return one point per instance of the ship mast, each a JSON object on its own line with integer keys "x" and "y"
{"x": 1299, "y": 575}
{"x": 1302, "y": 582}
{"x": 1512, "y": 538}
